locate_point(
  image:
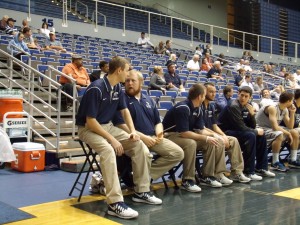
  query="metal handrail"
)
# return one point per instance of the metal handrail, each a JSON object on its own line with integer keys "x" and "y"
{"x": 239, "y": 40}
{"x": 86, "y": 6}
{"x": 101, "y": 14}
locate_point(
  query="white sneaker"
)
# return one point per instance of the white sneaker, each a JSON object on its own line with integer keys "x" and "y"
{"x": 121, "y": 210}
{"x": 210, "y": 181}
{"x": 189, "y": 185}
{"x": 265, "y": 173}
{"x": 255, "y": 177}
{"x": 146, "y": 197}
{"x": 224, "y": 180}
{"x": 241, "y": 178}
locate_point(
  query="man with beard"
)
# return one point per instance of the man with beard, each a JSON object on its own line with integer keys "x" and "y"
{"x": 231, "y": 143}
{"x": 102, "y": 100}
{"x": 147, "y": 122}
{"x": 79, "y": 73}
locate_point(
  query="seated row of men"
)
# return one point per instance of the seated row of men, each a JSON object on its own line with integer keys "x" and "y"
{"x": 113, "y": 123}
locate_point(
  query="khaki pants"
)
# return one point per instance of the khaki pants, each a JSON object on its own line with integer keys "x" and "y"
{"x": 170, "y": 155}
{"x": 213, "y": 156}
{"x": 136, "y": 150}
{"x": 235, "y": 156}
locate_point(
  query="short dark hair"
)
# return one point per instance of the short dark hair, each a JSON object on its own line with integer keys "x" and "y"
{"x": 143, "y": 32}
{"x": 196, "y": 90}
{"x": 45, "y": 23}
{"x": 102, "y": 64}
{"x": 246, "y": 89}
{"x": 26, "y": 29}
{"x": 209, "y": 84}
{"x": 297, "y": 94}
{"x": 285, "y": 97}
{"x": 167, "y": 42}
{"x": 262, "y": 91}
{"x": 227, "y": 89}
{"x": 117, "y": 62}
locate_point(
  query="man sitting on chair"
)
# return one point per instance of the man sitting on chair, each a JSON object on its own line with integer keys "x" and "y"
{"x": 101, "y": 101}
{"x": 79, "y": 73}
{"x": 147, "y": 122}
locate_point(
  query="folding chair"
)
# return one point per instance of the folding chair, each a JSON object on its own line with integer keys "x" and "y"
{"x": 90, "y": 159}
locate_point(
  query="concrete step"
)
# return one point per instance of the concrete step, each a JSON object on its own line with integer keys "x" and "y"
{"x": 66, "y": 143}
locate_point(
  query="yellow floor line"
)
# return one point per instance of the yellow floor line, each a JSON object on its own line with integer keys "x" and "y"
{"x": 292, "y": 193}
{"x": 62, "y": 212}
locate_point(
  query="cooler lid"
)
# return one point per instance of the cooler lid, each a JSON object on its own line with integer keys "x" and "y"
{"x": 28, "y": 146}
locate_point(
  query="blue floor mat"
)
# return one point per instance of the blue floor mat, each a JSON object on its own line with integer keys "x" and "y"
{"x": 10, "y": 214}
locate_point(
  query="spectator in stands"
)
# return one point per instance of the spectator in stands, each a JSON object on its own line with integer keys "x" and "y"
{"x": 266, "y": 98}
{"x": 144, "y": 41}
{"x": 248, "y": 82}
{"x": 247, "y": 66}
{"x": 104, "y": 68}
{"x": 38, "y": 46}
{"x": 24, "y": 24}
{"x": 53, "y": 44}
{"x": 44, "y": 30}
{"x": 258, "y": 86}
{"x": 28, "y": 39}
{"x": 232, "y": 146}
{"x": 205, "y": 66}
{"x": 186, "y": 128}
{"x": 98, "y": 106}
{"x": 168, "y": 47}
{"x": 286, "y": 82}
{"x": 293, "y": 82}
{"x": 297, "y": 76}
{"x": 3, "y": 23}
{"x": 207, "y": 50}
{"x": 198, "y": 51}
{"x": 282, "y": 71}
{"x": 79, "y": 73}
{"x": 18, "y": 42}
{"x": 224, "y": 100}
{"x": 216, "y": 71}
{"x": 10, "y": 29}
{"x": 193, "y": 64}
{"x": 238, "y": 120}
{"x": 157, "y": 81}
{"x": 160, "y": 49}
{"x": 240, "y": 65}
{"x": 240, "y": 78}
{"x": 245, "y": 55}
{"x": 269, "y": 118}
{"x": 172, "y": 79}
{"x": 147, "y": 123}
{"x": 222, "y": 60}
{"x": 172, "y": 59}
{"x": 208, "y": 58}
{"x": 276, "y": 92}
{"x": 268, "y": 68}
{"x": 250, "y": 57}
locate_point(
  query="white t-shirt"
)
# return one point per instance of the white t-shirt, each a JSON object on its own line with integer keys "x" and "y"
{"x": 192, "y": 65}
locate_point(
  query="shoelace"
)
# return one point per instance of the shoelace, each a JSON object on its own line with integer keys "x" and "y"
{"x": 119, "y": 207}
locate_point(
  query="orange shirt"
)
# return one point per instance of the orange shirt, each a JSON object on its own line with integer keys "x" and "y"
{"x": 80, "y": 75}
{"x": 205, "y": 67}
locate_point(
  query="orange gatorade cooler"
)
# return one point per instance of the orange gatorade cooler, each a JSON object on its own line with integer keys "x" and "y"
{"x": 11, "y": 101}
{"x": 30, "y": 156}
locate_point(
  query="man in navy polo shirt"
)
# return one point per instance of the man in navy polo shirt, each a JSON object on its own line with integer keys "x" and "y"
{"x": 186, "y": 128}
{"x": 172, "y": 79}
{"x": 99, "y": 104}
{"x": 147, "y": 122}
{"x": 232, "y": 145}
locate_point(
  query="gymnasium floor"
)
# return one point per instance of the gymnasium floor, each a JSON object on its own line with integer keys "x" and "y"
{"x": 45, "y": 195}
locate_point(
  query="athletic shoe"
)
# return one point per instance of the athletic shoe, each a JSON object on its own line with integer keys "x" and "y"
{"x": 189, "y": 185}
{"x": 210, "y": 181}
{"x": 253, "y": 176}
{"x": 241, "y": 178}
{"x": 265, "y": 173}
{"x": 294, "y": 164}
{"x": 224, "y": 180}
{"x": 146, "y": 197}
{"x": 279, "y": 167}
{"x": 121, "y": 210}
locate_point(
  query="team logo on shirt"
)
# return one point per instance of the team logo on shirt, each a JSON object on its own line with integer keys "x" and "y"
{"x": 148, "y": 105}
{"x": 209, "y": 113}
{"x": 245, "y": 114}
{"x": 115, "y": 96}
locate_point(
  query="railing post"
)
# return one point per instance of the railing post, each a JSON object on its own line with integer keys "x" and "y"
{"x": 211, "y": 35}
{"x": 296, "y": 52}
{"x": 258, "y": 45}
{"x": 192, "y": 34}
{"x": 96, "y": 16}
{"x": 149, "y": 21}
{"x": 29, "y": 16}
{"x": 271, "y": 48}
{"x": 171, "y": 28}
{"x": 243, "y": 40}
{"x": 124, "y": 23}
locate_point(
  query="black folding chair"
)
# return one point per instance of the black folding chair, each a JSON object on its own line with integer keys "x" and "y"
{"x": 90, "y": 159}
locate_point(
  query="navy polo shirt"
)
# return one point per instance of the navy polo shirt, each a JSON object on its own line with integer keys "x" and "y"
{"x": 213, "y": 71}
{"x": 100, "y": 101}
{"x": 185, "y": 118}
{"x": 209, "y": 115}
{"x": 175, "y": 80}
{"x": 238, "y": 79}
{"x": 144, "y": 114}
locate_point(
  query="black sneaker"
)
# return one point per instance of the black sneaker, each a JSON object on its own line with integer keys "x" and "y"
{"x": 146, "y": 197}
{"x": 121, "y": 210}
